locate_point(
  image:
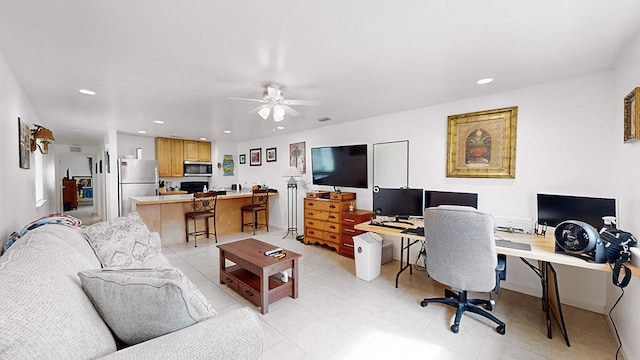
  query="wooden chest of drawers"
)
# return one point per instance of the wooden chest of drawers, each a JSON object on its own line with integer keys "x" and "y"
{"x": 349, "y": 220}
{"x": 323, "y": 219}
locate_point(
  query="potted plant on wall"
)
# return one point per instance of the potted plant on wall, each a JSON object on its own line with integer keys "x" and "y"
{"x": 478, "y": 147}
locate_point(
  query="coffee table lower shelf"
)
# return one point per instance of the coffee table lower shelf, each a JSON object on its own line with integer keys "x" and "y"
{"x": 247, "y": 284}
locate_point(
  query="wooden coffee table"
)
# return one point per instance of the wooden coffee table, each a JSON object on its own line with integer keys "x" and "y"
{"x": 255, "y": 275}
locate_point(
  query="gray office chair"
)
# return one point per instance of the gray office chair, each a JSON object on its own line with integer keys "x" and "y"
{"x": 461, "y": 253}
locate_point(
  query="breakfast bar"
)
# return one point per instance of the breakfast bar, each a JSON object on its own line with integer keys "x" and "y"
{"x": 165, "y": 214}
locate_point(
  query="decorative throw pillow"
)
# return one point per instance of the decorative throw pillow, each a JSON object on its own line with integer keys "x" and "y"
{"x": 122, "y": 242}
{"x": 141, "y": 304}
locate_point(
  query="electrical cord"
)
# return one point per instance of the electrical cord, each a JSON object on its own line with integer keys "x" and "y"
{"x": 621, "y": 284}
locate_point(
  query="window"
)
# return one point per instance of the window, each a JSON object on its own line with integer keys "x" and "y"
{"x": 39, "y": 172}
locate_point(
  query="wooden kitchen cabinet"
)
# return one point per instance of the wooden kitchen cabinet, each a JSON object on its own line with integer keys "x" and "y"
{"x": 197, "y": 150}
{"x": 170, "y": 157}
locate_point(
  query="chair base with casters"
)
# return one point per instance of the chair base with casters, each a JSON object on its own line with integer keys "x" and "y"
{"x": 259, "y": 202}
{"x": 463, "y": 303}
{"x": 204, "y": 209}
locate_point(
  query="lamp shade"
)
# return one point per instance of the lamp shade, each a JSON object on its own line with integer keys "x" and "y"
{"x": 292, "y": 173}
{"x": 44, "y": 134}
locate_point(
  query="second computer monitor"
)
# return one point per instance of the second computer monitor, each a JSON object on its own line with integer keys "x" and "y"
{"x": 400, "y": 203}
{"x": 436, "y": 198}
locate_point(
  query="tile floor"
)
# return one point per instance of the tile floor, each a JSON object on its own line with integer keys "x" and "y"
{"x": 338, "y": 316}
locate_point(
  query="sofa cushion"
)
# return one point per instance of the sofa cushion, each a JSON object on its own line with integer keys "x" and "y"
{"x": 122, "y": 242}
{"x": 141, "y": 304}
{"x": 44, "y": 312}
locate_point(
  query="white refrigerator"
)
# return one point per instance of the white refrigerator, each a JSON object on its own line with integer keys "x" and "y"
{"x": 135, "y": 178}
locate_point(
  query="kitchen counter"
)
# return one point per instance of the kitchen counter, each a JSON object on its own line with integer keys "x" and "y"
{"x": 165, "y": 214}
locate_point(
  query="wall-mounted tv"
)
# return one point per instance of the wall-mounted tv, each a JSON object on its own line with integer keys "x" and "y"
{"x": 554, "y": 209}
{"x": 340, "y": 166}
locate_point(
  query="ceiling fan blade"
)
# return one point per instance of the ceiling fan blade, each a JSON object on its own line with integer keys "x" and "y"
{"x": 300, "y": 102}
{"x": 245, "y": 99}
{"x": 259, "y": 108}
{"x": 289, "y": 110}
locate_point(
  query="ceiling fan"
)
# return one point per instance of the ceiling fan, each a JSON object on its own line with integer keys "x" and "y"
{"x": 273, "y": 99}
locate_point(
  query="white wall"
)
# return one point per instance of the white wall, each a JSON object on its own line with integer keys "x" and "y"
{"x": 17, "y": 186}
{"x": 568, "y": 133}
{"x": 625, "y": 171}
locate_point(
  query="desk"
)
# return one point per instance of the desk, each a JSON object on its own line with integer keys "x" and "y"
{"x": 410, "y": 238}
{"x": 542, "y": 250}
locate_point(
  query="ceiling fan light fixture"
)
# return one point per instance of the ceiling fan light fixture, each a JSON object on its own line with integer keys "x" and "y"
{"x": 264, "y": 112}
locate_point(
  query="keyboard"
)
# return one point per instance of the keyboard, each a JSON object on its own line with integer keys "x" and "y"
{"x": 414, "y": 231}
{"x": 387, "y": 226}
{"x": 513, "y": 245}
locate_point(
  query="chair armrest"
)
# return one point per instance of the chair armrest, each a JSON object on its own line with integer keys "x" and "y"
{"x": 501, "y": 271}
{"x": 235, "y": 335}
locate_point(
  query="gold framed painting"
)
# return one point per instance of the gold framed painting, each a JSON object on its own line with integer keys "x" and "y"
{"x": 482, "y": 144}
{"x": 632, "y": 116}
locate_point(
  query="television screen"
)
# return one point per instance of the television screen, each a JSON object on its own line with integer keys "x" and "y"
{"x": 554, "y": 209}
{"x": 436, "y": 198}
{"x": 401, "y": 203}
{"x": 340, "y": 166}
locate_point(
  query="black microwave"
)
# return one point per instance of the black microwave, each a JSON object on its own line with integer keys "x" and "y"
{"x": 196, "y": 168}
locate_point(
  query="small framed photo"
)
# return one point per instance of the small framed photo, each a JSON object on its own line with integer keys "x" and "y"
{"x": 255, "y": 157}
{"x": 24, "y": 144}
{"x": 271, "y": 155}
{"x": 632, "y": 116}
{"x": 243, "y": 158}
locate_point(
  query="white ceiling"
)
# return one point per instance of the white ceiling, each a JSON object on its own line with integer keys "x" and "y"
{"x": 178, "y": 61}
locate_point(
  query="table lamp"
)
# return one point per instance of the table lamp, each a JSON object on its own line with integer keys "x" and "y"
{"x": 292, "y": 173}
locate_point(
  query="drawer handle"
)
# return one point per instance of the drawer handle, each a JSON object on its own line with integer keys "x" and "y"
{"x": 349, "y": 230}
{"x": 333, "y": 237}
{"x": 349, "y": 220}
{"x": 331, "y": 227}
{"x": 310, "y": 222}
{"x": 309, "y": 204}
{"x": 311, "y": 232}
{"x": 347, "y": 245}
{"x": 332, "y": 217}
{"x": 332, "y": 206}
{"x": 248, "y": 293}
{"x": 229, "y": 281}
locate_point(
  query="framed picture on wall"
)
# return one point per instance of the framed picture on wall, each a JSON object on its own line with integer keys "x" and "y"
{"x": 271, "y": 155}
{"x": 632, "y": 116}
{"x": 482, "y": 144}
{"x": 297, "y": 156}
{"x": 243, "y": 158}
{"x": 255, "y": 157}
{"x": 24, "y": 145}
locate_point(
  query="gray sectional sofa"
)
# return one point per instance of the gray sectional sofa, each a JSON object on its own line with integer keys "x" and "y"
{"x": 46, "y": 314}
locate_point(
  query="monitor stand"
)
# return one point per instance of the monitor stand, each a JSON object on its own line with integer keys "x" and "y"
{"x": 398, "y": 220}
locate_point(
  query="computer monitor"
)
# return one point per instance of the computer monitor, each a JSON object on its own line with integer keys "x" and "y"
{"x": 435, "y": 198}
{"x": 554, "y": 209}
{"x": 398, "y": 203}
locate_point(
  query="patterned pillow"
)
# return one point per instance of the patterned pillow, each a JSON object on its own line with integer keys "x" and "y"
{"x": 141, "y": 304}
{"x": 122, "y": 242}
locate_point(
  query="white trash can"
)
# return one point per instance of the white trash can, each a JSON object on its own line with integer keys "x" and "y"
{"x": 368, "y": 255}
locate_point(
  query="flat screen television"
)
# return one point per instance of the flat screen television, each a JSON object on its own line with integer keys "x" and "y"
{"x": 554, "y": 209}
{"x": 436, "y": 198}
{"x": 340, "y": 166}
{"x": 399, "y": 203}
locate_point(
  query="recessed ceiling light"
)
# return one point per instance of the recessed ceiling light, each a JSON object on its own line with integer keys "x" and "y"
{"x": 280, "y": 128}
{"x": 158, "y": 121}
{"x": 141, "y": 132}
{"x": 227, "y": 131}
{"x": 203, "y": 138}
{"x": 76, "y": 130}
{"x": 484, "y": 81}
{"x": 87, "y": 92}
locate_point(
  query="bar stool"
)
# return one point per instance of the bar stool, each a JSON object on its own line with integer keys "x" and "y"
{"x": 204, "y": 207}
{"x": 259, "y": 202}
